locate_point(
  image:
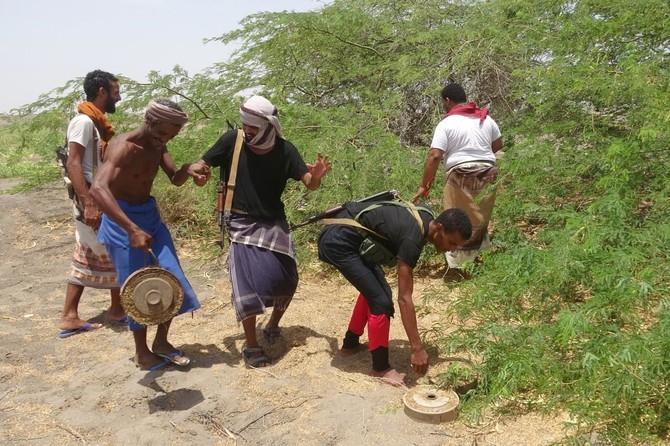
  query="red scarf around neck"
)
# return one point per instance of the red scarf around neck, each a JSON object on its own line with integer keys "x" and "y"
{"x": 469, "y": 109}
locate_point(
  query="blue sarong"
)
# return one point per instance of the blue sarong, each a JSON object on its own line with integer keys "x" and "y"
{"x": 127, "y": 260}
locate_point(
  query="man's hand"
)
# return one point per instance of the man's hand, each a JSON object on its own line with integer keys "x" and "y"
{"x": 140, "y": 239}
{"x": 92, "y": 215}
{"x": 320, "y": 167}
{"x": 200, "y": 173}
{"x": 419, "y": 360}
{"x": 421, "y": 192}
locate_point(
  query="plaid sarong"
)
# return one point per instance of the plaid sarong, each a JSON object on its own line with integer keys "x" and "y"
{"x": 463, "y": 189}
{"x": 91, "y": 265}
{"x": 261, "y": 261}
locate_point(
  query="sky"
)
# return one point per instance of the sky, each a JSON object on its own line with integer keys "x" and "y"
{"x": 45, "y": 43}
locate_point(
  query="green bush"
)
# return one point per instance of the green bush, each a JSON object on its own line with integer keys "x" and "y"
{"x": 570, "y": 309}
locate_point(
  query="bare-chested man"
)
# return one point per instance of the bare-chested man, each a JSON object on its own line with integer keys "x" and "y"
{"x": 132, "y": 224}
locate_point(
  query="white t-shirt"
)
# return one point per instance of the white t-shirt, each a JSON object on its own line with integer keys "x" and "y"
{"x": 82, "y": 131}
{"x": 463, "y": 139}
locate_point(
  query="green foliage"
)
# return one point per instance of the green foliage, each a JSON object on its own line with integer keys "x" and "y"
{"x": 570, "y": 308}
{"x": 28, "y": 148}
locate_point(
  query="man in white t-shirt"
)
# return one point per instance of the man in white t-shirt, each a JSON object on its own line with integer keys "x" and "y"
{"x": 87, "y": 137}
{"x": 465, "y": 140}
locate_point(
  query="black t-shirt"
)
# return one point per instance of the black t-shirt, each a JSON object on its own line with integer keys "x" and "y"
{"x": 398, "y": 225}
{"x": 261, "y": 179}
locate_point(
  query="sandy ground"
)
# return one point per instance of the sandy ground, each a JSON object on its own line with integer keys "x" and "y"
{"x": 86, "y": 390}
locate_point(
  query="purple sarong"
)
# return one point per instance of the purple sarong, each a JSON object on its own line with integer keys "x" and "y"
{"x": 263, "y": 271}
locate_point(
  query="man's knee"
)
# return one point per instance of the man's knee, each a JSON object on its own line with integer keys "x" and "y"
{"x": 385, "y": 308}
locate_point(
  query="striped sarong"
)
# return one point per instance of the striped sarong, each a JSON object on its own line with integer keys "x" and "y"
{"x": 262, "y": 266}
{"x": 463, "y": 189}
{"x": 91, "y": 264}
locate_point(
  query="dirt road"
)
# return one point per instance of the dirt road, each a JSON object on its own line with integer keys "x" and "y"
{"x": 86, "y": 390}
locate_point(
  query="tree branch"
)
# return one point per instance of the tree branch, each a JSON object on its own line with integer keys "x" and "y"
{"x": 177, "y": 93}
{"x": 357, "y": 45}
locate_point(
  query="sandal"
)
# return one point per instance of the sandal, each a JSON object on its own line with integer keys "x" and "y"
{"x": 272, "y": 334}
{"x": 255, "y": 357}
{"x": 176, "y": 357}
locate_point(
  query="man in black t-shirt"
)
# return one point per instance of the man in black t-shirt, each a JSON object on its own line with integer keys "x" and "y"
{"x": 261, "y": 260}
{"x": 339, "y": 246}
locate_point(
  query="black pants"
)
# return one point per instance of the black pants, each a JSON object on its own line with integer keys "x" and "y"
{"x": 338, "y": 246}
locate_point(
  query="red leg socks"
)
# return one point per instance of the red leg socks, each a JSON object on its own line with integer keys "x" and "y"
{"x": 379, "y": 325}
{"x": 360, "y": 316}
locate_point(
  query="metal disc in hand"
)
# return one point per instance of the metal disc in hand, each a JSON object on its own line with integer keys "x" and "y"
{"x": 152, "y": 295}
{"x": 431, "y": 404}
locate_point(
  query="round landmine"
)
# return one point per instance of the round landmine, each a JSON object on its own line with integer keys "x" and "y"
{"x": 430, "y": 404}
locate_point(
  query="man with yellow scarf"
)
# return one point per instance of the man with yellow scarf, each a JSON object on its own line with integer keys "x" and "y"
{"x": 87, "y": 137}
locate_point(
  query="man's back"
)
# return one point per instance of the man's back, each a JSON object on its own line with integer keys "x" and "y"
{"x": 398, "y": 225}
{"x": 464, "y": 138}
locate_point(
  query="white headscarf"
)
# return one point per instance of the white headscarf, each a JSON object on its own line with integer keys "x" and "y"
{"x": 259, "y": 112}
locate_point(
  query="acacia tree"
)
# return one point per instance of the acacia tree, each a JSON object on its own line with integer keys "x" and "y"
{"x": 360, "y": 81}
{"x": 579, "y": 88}
{"x": 570, "y": 309}
{"x": 578, "y": 306}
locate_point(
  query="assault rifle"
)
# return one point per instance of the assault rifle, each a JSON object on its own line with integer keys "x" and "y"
{"x": 381, "y": 196}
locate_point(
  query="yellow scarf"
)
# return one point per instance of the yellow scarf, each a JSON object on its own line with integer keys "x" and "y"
{"x": 101, "y": 122}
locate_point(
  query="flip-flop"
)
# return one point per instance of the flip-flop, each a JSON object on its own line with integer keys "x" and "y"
{"x": 176, "y": 357}
{"x": 160, "y": 365}
{"x": 123, "y": 321}
{"x": 83, "y": 329}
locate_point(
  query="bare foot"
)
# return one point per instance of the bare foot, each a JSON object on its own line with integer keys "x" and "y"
{"x": 119, "y": 318}
{"x": 390, "y": 376}
{"x": 161, "y": 346}
{"x": 76, "y": 324}
{"x": 352, "y": 351}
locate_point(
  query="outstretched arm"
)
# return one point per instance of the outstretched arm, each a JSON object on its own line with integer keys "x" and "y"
{"x": 429, "y": 170}
{"x": 419, "y": 357}
{"x": 199, "y": 172}
{"x": 316, "y": 171}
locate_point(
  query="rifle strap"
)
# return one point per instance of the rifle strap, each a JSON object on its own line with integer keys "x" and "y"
{"x": 230, "y": 186}
{"x": 354, "y": 221}
{"x": 409, "y": 206}
{"x": 350, "y": 222}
